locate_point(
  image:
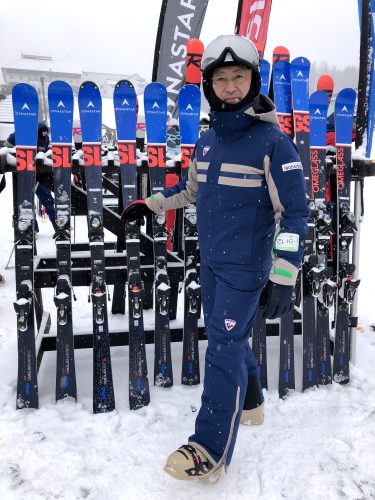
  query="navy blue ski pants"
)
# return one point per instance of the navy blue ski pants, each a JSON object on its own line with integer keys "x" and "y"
{"x": 230, "y": 302}
{"x": 46, "y": 199}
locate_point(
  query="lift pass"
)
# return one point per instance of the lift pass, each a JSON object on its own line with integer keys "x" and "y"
{"x": 287, "y": 241}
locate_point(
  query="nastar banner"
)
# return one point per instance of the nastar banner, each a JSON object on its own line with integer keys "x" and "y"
{"x": 252, "y": 20}
{"x": 179, "y": 21}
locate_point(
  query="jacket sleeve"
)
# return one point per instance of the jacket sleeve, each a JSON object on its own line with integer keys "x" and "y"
{"x": 179, "y": 195}
{"x": 287, "y": 189}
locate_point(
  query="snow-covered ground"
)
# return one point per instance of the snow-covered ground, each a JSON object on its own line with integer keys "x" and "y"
{"x": 317, "y": 445}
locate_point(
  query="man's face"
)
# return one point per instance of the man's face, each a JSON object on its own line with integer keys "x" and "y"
{"x": 232, "y": 83}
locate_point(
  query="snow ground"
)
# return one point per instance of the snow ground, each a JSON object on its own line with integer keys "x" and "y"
{"x": 316, "y": 445}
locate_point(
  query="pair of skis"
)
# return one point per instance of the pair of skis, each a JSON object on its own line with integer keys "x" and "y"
{"x": 125, "y": 113}
{"x": 25, "y": 104}
{"x": 60, "y": 99}
{"x": 156, "y": 118}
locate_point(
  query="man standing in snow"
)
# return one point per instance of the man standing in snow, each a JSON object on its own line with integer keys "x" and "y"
{"x": 245, "y": 176}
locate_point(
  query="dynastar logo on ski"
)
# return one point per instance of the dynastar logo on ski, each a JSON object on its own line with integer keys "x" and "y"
{"x": 229, "y": 324}
{"x": 189, "y": 107}
{"x": 125, "y": 102}
{"x": 61, "y": 105}
{"x": 282, "y": 77}
{"x": 157, "y": 111}
{"x": 344, "y": 111}
{"x": 25, "y": 106}
{"x": 90, "y": 105}
{"x": 206, "y": 150}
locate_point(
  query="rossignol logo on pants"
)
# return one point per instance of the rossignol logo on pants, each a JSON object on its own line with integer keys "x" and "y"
{"x": 229, "y": 324}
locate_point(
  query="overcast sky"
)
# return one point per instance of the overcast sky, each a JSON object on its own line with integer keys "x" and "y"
{"x": 119, "y": 36}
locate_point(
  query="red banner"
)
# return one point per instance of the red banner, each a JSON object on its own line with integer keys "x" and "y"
{"x": 252, "y": 20}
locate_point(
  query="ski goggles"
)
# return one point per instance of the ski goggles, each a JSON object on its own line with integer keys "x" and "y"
{"x": 243, "y": 51}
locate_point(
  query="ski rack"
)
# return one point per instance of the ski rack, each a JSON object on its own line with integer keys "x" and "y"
{"x": 116, "y": 273}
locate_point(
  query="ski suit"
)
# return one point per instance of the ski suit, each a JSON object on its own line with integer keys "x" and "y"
{"x": 43, "y": 193}
{"x": 245, "y": 176}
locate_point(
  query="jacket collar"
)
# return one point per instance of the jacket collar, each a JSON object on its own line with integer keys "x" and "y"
{"x": 261, "y": 109}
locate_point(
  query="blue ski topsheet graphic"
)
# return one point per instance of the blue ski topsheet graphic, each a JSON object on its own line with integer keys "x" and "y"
{"x": 25, "y": 109}
{"x": 318, "y": 118}
{"x": 125, "y": 102}
{"x": 155, "y": 98}
{"x": 189, "y": 101}
{"x": 344, "y": 111}
{"x": 90, "y": 111}
{"x": 265, "y": 76}
{"x": 60, "y": 102}
{"x": 281, "y": 83}
{"x": 189, "y": 104}
{"x": 299, "y": 76}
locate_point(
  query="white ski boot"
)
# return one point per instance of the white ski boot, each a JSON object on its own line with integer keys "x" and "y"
{"x": 187, "y": 463}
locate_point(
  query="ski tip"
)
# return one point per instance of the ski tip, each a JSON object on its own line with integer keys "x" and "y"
{"x": 85, "y": 84}
{"x": 127, "y": 82}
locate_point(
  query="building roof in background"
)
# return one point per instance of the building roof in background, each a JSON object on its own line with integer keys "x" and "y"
{"x": 46, "y": 66}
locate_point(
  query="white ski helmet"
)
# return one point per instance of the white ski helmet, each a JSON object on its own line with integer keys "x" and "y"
{"x": 229, "y": 50}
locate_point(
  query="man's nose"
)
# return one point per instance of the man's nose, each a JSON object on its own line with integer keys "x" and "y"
{"x": 230, "y": 86}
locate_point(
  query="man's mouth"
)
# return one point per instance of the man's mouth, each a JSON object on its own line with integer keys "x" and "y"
{"x": 232, "y": 100}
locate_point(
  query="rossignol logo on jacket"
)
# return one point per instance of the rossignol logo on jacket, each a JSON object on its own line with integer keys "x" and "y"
{"x": 296, "y": 165}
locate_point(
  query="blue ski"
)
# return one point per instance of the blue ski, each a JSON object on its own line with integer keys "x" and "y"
{"x": 189, "y": 103}
{"x": 25, "y": 109}
{"x": 259, "y": 331}
{"x": 345, "y": 226}
{"x": 300, "y": 71}
{"x": 265, "y": 69}
{"x": 282, "y": 94}
{"x": 125, "y": 100}
{"x": 90, "y": 109}
{"x": 60, "y": 103}
{"x": 155, "y": 100}
{"x": 323, "y": 219}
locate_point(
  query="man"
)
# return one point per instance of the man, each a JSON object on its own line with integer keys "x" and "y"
{"x": 244, "y": 175}
{"x": 43, "y": 193}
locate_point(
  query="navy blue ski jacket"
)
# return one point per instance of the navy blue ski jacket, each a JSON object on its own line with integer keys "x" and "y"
{"x": 247, "y": 180}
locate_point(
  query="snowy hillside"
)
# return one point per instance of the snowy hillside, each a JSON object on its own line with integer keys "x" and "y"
{"x": 312, "y": 446}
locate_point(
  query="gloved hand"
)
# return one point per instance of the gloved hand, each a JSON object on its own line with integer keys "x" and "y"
{"x": 135, "y": 211}
{"x": 276, "y": 300}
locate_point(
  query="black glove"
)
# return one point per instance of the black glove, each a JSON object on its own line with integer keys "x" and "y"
{"x": 135, "y": 212}
{"x": 276, "y": 300}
